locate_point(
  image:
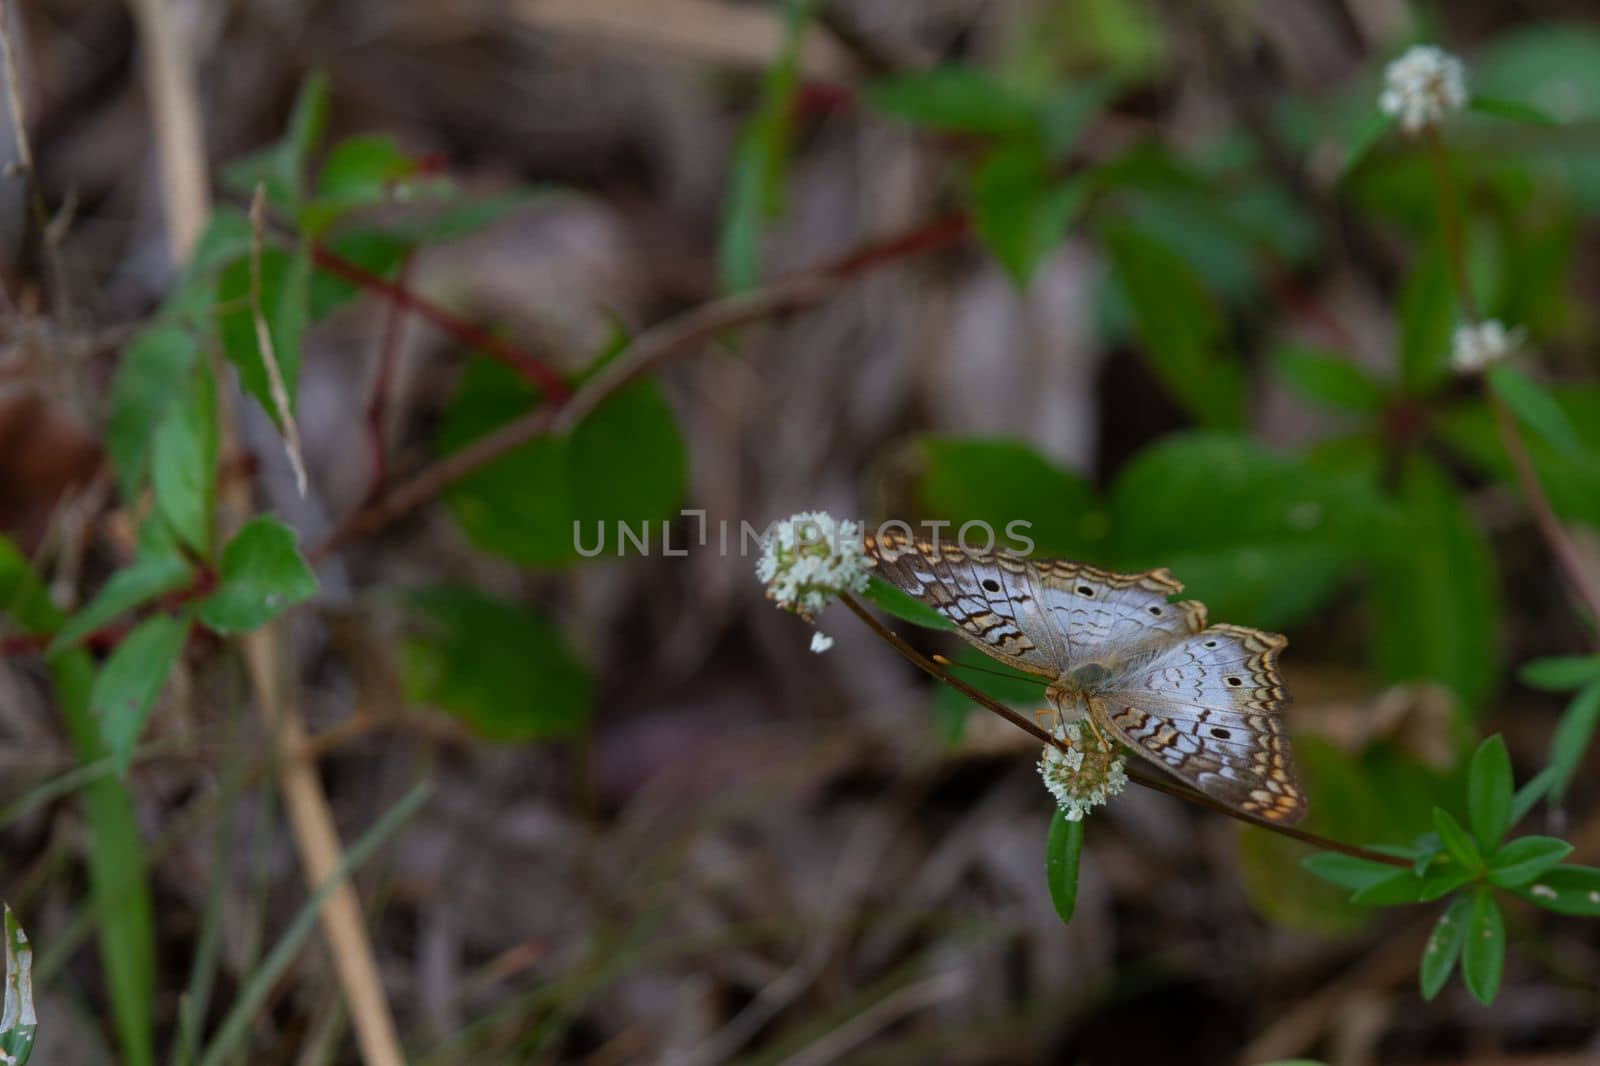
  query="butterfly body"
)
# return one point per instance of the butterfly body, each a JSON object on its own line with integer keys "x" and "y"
{"x": 1203, "y": 702}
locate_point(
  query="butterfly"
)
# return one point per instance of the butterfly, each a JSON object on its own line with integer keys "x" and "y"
{"x": 1202, "y": 702}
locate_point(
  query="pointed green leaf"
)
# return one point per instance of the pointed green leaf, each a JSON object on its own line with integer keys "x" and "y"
{"x": 1458, "y": 843}
{"x": 1514, "y": 110}
{"x": 126, "y": 688}
{"x": 1445, "y": 879}
{"x": 956, "y": 99}
{"x": 282, "y": 167}
{"x": 1573, "y": 890}
{"x": 1535, "y": 408}
{"x": 902, "y": 605}
{"x": 1427, "y": 321}
{"x": 1402, "y": 886}
{"x": 136, "y": 584}
{"x": 1444, "y": 946}
{"x": 1484, "y": 951}
{"x": 262, "y": 575}
{"x": 1531, "y": 793}
{"x": 1348, "y": 871}
{"x": 184, "y": 462}
{"x": 1022, "y": 210}
{"x": 1525, "y": 859}
{"x": 1489, "y": 790}
{"x": 1331, "y": 379}
{"x": 1062, "y": 854}
{"x": 285, "y": 308}
{"x": 1561, "y": 673}
{"x": 1570, "y": 741}
{"x": 154, "y": 367}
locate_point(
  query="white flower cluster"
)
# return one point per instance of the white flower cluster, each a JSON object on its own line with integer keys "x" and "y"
{"x": 1085, "y": 776}
{"x": 1478, "y": 346}
{"x": 1422, "y": 86}
{"x": 809, "y": 560}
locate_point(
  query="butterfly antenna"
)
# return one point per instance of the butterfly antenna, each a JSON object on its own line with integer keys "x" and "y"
{"x": 951, "y": 664}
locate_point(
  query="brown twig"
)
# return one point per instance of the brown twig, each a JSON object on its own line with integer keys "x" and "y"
{"x": 1136, "y": 774}
{"x": 647, "y": 351}
{"x": 474, "y": 336}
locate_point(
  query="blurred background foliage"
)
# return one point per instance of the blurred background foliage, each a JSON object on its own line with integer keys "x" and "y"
{"x": 1156, "y": 278}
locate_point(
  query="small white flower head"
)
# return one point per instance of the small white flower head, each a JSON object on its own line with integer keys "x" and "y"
{"x": 1422, "y": 87}
{"x": 810, "y": 559}
{"x": 820, "y": 642}
{"x": 1086, "y": 775}
{"x": 1477, "y": 347}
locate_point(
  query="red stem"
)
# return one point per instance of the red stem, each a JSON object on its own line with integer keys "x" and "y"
{"x": 382, "y": 381}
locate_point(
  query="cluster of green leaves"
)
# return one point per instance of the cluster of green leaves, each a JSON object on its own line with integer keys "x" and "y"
{"x": 1469, "y": 862}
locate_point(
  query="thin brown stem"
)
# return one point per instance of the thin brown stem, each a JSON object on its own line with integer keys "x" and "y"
{"x": 1451, "y": 222}
{"x": 1585, "y": 584}
{"x": 1160, "y": 784}
{"x": 382, "y": 382}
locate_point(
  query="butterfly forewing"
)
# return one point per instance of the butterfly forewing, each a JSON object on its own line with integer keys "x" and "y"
{"x": 1208, "y": 709}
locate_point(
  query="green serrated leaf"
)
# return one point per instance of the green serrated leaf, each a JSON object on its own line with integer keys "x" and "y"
{"x": 1526, "y": 858}
{"x": 1573, "y": 890}
{"x": 184, "y": 461}
{"x": 1484, "y": 950}
{"x": 956, "y": 99}
{"x": 1535, "y": 408}
{"x": 126, "y": 688}
{"x": 504, "y": 670}
{"x": 1458, "y": 843}
{"x": 1444, "y": 946}
{"x": 262, "y": 575}
{"x": 285, "y": 285}
{"x": 136, "y": 584}
{"x": 1331, "y": 379}
{"x": 1489, "y": 788}
{"x": 1062, "y": 854}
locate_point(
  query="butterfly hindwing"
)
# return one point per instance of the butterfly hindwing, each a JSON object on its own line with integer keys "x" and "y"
{"x": 1207, "y": 708}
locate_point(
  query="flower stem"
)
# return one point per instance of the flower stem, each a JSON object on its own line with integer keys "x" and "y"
{"x": 1160, "y": 784}
{"x": 1451, "y": 222}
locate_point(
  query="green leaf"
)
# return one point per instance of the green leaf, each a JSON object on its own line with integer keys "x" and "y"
{"x": 1062, "y": 853}
{"x": 1530, "y": 793}
{"x": 1534, "y": 408}
{"x": 1573, "y": 890}
{"x": 1444, "y": 946}
{"x": 1458, "y": 843}
{"x": 1436, "y": 884}
{"x": 136, "y": 584}
{"x": 262, "y": 575}
{"x": 184, "y": 461}
{"x": 1514, "y": 110}
{"x": 1561, "y": 673}
{"x": 504, "y": 670}
{"x": 955, "y": 99}
{"x": 1348, "y": 871}
{"x": 1570, "y": 741}
{"x": 118, "y": 869}
{"x": 1180, "y": 327}
{"x": 126, "y": 689}
{"x": 902, "y": 605}
{"x": 360, "y": 171}
{"x": 1331, "y": 379}
{"x": 1261, "y": 539}
{"x": 1026, "y": 502}
{"x": 1489, "y": 788}
{"x": 761, "y": 159}
{"x": 1021, "y": 210}
{"x": 989, "y": 676}
{"x": 1483, "y": 954}
{"x": 282, "y": 167}
{"x": 554, "y": 501}
{"x": 285, "y": 307}
{"x": 1434, "y": 590}
{"x": 1363, "y": 138}
{"x": 154, "y": 367}
{"x": 1402, "y": 886}
{"x": 1427, "y": 321}
{"x": 1526, "y": 858}
{"x": 17, "y": 1019}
